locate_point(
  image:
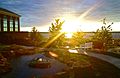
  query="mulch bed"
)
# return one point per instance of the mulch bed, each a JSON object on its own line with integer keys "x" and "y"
{"x": 96, "y": 69}
{"x": 101, "y": 69}
{"x": 88, "y": 67}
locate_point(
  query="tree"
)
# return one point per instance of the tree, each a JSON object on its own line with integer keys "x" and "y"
{"x": 36, "y": 37}
{"x": 77, "y": 39}
{"x": 56, "y": 38}
{"x": 104, "y": 35}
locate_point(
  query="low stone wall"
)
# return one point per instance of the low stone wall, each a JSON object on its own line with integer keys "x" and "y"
{"x": 20, "y": 38}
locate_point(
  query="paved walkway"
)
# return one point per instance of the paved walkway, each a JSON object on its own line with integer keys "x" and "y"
{"x": 110, "y": 59}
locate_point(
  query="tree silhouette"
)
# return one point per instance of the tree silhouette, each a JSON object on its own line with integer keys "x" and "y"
{"x": 104, "y": 34}
{"x": 56, "y": 38}
{"x": 77, "y": 39}
{"x": 36, "y": 37}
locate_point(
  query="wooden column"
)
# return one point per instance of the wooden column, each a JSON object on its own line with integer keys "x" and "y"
{"x": 8, "y": 23}
{"x": 1, "y": 22}
{"x": 13, "y": 24}
{"x": 18, "y": 24}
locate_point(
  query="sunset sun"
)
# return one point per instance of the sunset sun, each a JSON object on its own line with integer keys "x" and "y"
{"x": 71, "y": 23}
{"x": 70, "y": 26}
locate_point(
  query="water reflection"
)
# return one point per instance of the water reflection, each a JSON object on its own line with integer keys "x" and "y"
{"x": 22, "y": 70}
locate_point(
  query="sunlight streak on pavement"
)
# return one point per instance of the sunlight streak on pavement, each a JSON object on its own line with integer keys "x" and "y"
{"x": 85, "y": 53}
{"x": 53, "y": 54}
{"x": 73, "y": 51}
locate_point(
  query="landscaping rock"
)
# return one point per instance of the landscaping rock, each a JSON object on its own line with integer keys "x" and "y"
{"x": 4, "y": 65}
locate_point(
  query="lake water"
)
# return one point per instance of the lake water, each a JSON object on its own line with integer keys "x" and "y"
{"x": 22, "y": 70}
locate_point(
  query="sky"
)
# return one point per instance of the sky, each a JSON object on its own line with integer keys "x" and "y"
{"x": 88, "y": 13}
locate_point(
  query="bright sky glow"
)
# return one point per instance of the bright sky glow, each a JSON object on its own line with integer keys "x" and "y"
{"x": 70, "y": 26}
{"x": 78, "y": 14}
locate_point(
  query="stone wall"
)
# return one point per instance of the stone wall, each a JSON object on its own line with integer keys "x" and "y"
{"x": 20, "y": 38}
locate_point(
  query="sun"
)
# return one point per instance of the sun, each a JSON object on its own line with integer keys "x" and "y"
{"x": 74, "y": 24}
{"x": 70, "y": 26}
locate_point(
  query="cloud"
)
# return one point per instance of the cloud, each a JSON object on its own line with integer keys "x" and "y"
{"x": 42, "y": 12}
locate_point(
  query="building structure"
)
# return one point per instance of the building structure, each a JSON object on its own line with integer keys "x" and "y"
{"x": 9, "y": 21}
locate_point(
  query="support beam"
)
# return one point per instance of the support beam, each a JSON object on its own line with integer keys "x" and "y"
{"x": 8, "y": 23}
{"x": 18, "y": 24}
{"x": 1, "y": 22}
{"x": 13, "y": 24}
